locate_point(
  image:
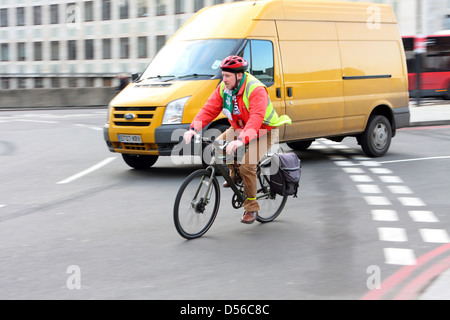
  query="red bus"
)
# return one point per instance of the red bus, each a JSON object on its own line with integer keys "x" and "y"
{"x": 435, "y": 66}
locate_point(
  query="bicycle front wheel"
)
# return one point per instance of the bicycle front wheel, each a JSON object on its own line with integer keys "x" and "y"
{"x": 196, "y": 204}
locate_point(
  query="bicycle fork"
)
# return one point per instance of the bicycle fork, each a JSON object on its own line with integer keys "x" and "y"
{"x": 199, "y": 205}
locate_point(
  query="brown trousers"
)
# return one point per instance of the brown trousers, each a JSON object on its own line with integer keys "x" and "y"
{"x": 247, "y": 169}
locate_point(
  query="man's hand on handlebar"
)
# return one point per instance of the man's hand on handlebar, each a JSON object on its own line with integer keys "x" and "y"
{"x": 233, "y": 146}
{"x": 188, "y": 136}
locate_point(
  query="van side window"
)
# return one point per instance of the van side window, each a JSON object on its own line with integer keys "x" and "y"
{"x": 259, "y": 54}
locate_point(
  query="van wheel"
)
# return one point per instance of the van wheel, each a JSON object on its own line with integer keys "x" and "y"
{"x": 300, "y": 145}
{"x": 376, "y": 139}
{"x": 139, "y": 161}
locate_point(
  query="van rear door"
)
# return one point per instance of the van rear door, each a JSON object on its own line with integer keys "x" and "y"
{"x": 312, "y": 78}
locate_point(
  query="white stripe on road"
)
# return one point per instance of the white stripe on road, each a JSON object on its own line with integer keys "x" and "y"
{"x": 87, "y": 171}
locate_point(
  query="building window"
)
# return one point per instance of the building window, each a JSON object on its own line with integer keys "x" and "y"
{"x": 89, "y": 11}
{"x": 89, "y": 82}
{"x": 123, "y": 9}
{"x": 106, "y": 9}
{"x": 142, "y": 47}
{"x": 54, "y": 14}
{"x": 21, "y": 51}
{"x": 160, "y": 42}
{"x": 73, "y": 82}
{"x": 142, "y": 8}
{"x": 124, "y": 48}
{"x": 38, "y": 83}
{"x": 22, "y": 83}
{"x": 20, "y": 16}
{"x": 37, "y": 46}
{"x": 55, "y": 83}
{"x": 89, "y": 49}
{"x": 72, "y": 49}
{"x": 160, "y": 7}
{"x": 54, "y": 50}
{"x": 5, "y": 52}
{"x": 5, "y": 83}
{"x": 106, "y": 48}
{"x": 198, "y": 4}
{"x": 3, "y": 17}
{"x": 107, "y": 82}
{"x": 37, "y": 15}
{"x": 179, "y": 6}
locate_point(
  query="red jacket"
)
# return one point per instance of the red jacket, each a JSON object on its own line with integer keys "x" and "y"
{"x": 248, "y": 122}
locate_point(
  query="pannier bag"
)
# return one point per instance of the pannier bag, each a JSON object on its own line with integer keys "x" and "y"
{"x": 285, "y": 174}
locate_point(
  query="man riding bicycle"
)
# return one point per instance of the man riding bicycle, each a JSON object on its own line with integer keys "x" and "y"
{"x": 246, "y": 103}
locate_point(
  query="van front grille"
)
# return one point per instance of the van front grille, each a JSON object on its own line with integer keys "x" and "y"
{"x": 141, "y": 116}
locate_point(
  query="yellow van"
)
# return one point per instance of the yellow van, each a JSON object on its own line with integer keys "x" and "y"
{"x": 336, "y": 69}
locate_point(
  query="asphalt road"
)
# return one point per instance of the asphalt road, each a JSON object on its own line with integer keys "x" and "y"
{"x": 77, "y": 223}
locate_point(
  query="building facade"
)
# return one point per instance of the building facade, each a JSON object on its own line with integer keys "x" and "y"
{"x": 88, "y": 43}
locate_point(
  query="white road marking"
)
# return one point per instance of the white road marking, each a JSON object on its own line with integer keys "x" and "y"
{"x": 411, "y": 201}
{"x": 434, "y": 235}
{"x": 368, "y": 188}
{"x": 384, "y": 215}
{"x": 392, "y": 234}
{"x": 423, "y": 216}
{"x": 87, "y": 171}
{"x": 415, "y": 159}
{"x": 399, "y": 256}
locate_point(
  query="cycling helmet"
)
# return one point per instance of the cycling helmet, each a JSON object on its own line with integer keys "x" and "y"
{"x": 234, "y": 64}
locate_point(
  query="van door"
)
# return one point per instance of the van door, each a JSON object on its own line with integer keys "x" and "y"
{"x": 312, "y": 79}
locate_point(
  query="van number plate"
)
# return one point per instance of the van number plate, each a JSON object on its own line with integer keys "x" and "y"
{"x": 130, "y": 138}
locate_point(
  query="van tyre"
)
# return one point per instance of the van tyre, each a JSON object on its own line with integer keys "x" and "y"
{"x": 376, "y": 139}
{"x": 300, "y": 145}
{"x": 139, "y": 161}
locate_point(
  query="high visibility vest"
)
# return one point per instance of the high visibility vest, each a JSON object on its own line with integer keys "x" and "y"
{"x": 271, "y": 117}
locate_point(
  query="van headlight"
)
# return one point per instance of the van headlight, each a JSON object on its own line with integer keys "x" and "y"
{"x": 174, "y": 111}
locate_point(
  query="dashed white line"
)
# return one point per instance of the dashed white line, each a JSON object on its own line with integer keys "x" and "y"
{"x": 434, "y": 235}
{"x": 353, "y": 165}
{"x": 400, "y": 189}
{"x": 391, "y": 179}
{"x": 377, "y": 201}
{"x": 392, "y": 234}
{"x": 361, "y": 178}
{"x": 384, "y": 215}
{"x": 411, "y": 201}
{"x": 422, "y": 216}
{"x": 368, "y": 188}
{"x": 87, "y": 171}
{"x": 399, "y": 256}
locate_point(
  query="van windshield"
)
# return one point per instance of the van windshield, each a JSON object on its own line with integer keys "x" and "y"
{"x": 189, "y": 59}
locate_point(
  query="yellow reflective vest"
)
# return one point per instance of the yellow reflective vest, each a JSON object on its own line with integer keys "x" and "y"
{"x": 271, "y": 117}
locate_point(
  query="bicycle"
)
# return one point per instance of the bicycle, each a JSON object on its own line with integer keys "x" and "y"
{"x": 198, "y": 199}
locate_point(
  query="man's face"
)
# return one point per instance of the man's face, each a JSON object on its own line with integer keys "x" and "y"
{"x": 230, "y": 80}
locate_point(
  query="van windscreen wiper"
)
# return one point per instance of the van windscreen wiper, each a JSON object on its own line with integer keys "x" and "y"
{"x": 195, "y": 75}
{"x": 158, "y": 77}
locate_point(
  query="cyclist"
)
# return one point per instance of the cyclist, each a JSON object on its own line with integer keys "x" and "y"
{"x": 246, "y": 103}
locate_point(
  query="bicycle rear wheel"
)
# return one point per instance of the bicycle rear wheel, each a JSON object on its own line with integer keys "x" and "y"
{"x": 195, "y": 207}
{"x": 271, "y": 204}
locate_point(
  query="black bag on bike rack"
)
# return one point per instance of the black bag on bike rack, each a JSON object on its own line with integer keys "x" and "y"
{"x": 285, "y": 174}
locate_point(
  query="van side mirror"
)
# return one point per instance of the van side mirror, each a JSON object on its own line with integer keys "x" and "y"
{"x": 134, "y": 76}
